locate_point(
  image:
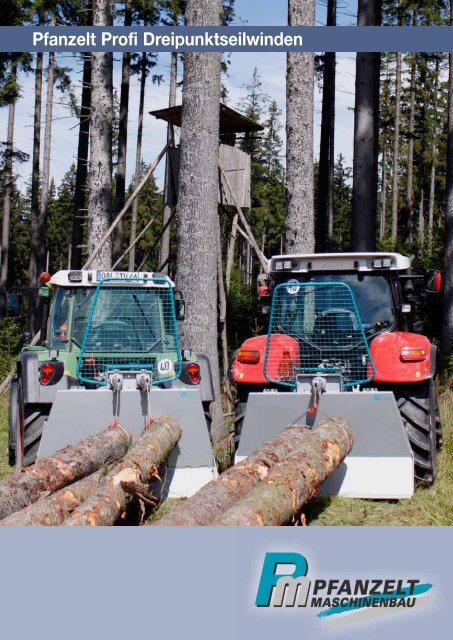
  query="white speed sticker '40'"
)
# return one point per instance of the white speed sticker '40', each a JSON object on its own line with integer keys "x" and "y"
{"x": 165, "y": 367}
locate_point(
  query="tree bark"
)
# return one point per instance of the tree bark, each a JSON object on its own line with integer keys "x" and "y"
{"x": 138, "y": 161}
{"x": 197, "y": 209}
{"x": 68, "y": 465}
{"x": 130, "y": 477}
{"x": 396, "y": 150}
{"x": 325, "y": 174}
{"x": 299, "y": 226}
{"x": 366, "y": 130}
{"x": 8, "y": 185}
{"x": 290, "y": 484}
{"x": 432, "y": 184}
{"x": 82, "y": 166}
{"x": 383, "y": 216}
{"x": 120, "y": 191}
{"x": 220, "y": 494}
{"x": 51, "y": 511}
{"x": 165, "y": 241}
{"x": 45, "y": 182}
{"x": 34, "y": 205}
{"x": 408, "y": 221}
{"x": 447, "y": 313}
{"x": 100, "y": 177}
{"x": 223, "y": 316}
{"x": 421, "y": 217}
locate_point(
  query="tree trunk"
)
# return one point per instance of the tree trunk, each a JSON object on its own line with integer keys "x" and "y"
{"x": 366, "y": 131}
{"x": 130, "y": 477}
{"x": 280, "y": 496}
{"x": 223, "y": 316}
{"x": 432, "y": 184}
{"x": 34, "y": 205}
{"x": 326, "y": 160}
{"x": 220, "y": 494}
{"x": 165, "y": 242}
{"x": 68, "y": 465}
{"x": 82, "y": 166}
{"x": 447, "y": 324}
{"x": 421, "y": 217}
{"x": 100, "y": 178}
{"x": 120, "y": 191}
{"x": 382, "y": 222}
{"x": 299, "y": 226}
{"x": 198, "y": 208}
{"x": 45, "y": 181}
{"x": 396, "y": 150}
{"x": 8, "y": 185}
{"x": 138, "y": 161}
{"x": 51, "y": 511}
{"x": 408, "y": 222}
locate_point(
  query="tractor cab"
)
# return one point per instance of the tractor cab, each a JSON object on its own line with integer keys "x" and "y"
{"x": 341, "y": 341}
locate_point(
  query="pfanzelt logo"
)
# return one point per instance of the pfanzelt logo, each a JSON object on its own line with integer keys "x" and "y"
{"x": 284, "y": 582}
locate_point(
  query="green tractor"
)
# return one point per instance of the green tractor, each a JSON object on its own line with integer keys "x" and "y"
{"x": 112, "y": 356}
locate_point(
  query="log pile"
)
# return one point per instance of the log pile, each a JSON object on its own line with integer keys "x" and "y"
{"x": 94, "y": 482}
{"x": 270, "y": 486}
{"x": 75, "y": 485}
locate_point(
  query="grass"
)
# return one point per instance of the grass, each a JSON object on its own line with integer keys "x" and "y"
{"x": 5, "y": 469}
{"x": 427, "y": 507}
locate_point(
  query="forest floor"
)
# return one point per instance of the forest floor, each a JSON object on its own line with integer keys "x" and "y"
{"x": 428, "y": 506}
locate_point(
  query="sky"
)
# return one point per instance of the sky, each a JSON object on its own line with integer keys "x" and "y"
{"x": 271, "y": 67}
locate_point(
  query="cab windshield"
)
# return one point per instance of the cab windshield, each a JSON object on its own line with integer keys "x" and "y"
{"x": 373, "y": 296}
{"x": 123, "y": 319}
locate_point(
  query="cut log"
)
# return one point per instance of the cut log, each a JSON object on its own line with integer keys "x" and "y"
{"x": 130, "y": 477}
{"x": 51, "y": 511}
{"x": 67, "y": 466}
{"x": 291, "y": 483}
{"x": 220, "y": 494}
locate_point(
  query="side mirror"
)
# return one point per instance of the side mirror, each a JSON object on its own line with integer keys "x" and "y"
{"x": 13, "y": 306}
{"x": 433, "y": 282}
{"x": 180, "y": 309}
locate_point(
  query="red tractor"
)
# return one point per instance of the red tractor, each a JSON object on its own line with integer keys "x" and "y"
{"x": 342, "y": 341}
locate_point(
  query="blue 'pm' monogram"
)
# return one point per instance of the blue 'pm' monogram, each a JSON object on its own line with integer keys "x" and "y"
{"x": 269, "y": 578}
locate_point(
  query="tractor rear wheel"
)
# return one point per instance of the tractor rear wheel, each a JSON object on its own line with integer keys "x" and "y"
{"x": 417, "y": 407}
{"x": 439, "y": 436}
{"x": 26, "y": 424}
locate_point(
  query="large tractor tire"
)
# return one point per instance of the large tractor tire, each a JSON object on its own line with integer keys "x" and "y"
{"x": 26, "y": 424}
{"x": 417, "y": 407}
{"x": 439, "y": 435}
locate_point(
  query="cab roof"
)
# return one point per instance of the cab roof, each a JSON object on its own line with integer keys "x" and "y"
{"x": 304, "y": 263}
{"x": 92, "y": 277}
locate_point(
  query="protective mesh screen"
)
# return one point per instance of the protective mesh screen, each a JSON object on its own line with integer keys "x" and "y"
{"x": 130, "y": 328}
{"x": 316, "y": 328}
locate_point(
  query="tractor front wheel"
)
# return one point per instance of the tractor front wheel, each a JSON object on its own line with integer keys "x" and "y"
{"x": 417, "y": 407}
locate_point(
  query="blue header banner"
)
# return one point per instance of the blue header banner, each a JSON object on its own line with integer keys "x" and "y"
{"x": 240, "y": 39}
